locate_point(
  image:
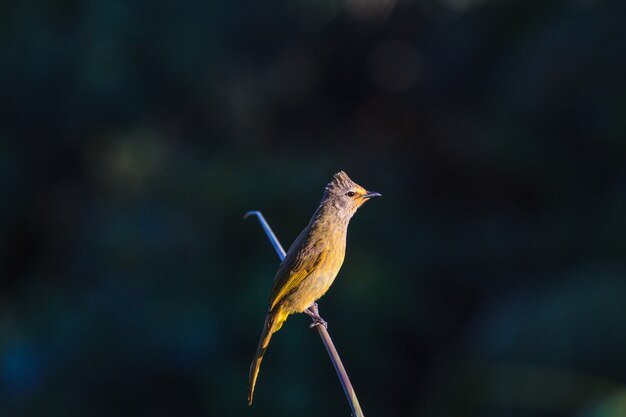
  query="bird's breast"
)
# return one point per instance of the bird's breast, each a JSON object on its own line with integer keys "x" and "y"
{"x": 319, "y": 281}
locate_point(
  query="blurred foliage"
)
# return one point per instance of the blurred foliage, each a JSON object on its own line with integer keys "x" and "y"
{"x": 489, "y": 280}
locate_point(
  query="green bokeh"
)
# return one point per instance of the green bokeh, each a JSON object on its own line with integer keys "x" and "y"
{"x": 488, "y": 280}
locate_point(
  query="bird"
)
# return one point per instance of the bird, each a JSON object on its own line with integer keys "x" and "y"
{"x": 311, "y": 263}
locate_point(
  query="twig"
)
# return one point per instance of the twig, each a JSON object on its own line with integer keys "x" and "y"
{"x": 321, "y": 330}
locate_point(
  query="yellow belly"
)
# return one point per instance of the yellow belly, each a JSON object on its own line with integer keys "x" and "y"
{"x": 313, "y": 287}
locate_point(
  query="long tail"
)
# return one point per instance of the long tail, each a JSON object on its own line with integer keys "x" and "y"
{"x": 273, "y": 323}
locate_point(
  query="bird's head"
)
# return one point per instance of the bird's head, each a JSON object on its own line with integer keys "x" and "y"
{"x": 345, "y": 195}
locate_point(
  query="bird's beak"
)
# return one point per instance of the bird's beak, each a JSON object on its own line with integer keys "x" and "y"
{"x": 371, "y": 194}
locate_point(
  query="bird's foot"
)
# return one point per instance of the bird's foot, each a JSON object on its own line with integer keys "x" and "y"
{"x": 318, "y": 322}
{"x": 314, "y": 313}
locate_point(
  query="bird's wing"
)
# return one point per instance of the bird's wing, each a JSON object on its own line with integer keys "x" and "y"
{"x": 291, "y": 274}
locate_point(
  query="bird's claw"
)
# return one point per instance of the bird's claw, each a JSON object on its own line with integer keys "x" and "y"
{"x": 317, "y": 321}
{"x": 314, "y": 313}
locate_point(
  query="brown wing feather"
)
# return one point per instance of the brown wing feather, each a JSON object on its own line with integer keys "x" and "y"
{"x": 298, "y": 265}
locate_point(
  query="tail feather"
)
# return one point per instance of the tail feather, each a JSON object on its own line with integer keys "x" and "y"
{"x": 273, "y": 323}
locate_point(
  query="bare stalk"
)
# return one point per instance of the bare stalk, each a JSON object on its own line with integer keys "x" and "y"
{"x": 321, "y": 330}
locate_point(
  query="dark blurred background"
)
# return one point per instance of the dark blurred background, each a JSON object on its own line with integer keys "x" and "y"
{"x": 488, "y": 281}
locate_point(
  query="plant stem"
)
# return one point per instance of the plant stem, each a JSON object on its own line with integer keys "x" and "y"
{"x": 321, "y": 330}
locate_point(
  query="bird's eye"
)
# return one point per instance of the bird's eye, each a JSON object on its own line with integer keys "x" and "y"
{"x": 350, "y": 193}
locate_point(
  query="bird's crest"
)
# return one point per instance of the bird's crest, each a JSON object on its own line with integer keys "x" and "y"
{"x": 340, "y": 182}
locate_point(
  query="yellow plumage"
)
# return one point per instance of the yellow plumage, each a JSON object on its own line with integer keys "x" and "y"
{"x": 312, "y": 262}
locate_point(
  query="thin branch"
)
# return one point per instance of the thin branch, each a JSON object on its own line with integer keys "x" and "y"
{"x": 268, "y": 231}
{"x": 321, "y": 330}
